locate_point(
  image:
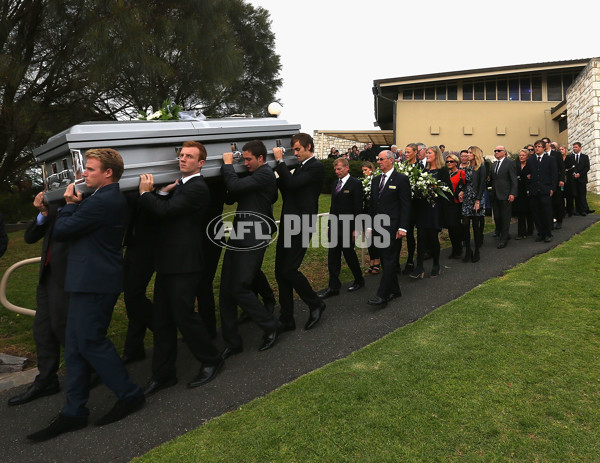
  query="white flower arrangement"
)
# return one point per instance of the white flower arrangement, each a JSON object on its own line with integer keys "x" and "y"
{"x": 169, "y": 110}
{"x": 423, "y": 185}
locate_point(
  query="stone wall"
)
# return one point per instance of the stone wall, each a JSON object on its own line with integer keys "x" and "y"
{"x": 583, "y": 118}
{"x": 324, "y": 143}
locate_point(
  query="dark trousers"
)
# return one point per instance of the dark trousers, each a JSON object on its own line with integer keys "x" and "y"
{"x": 334, "y": 262}
{"x": 389, "y": 263}
{"x": 138, "y": 268}
{"x": 49, "y": 326}
{"x": 580, "y": 192}
{"x": 478, "y": 224}
{"x": 87, "y": 347}
{"x": 502, "y": 213}
{"x": 411, "y": 243}
{"x": 237, "y": 289}
{"x": 262, "y": 288}
{"x": 428, "y": 239}
{"x": 205, "y": 293}
{"x": 541, "y": 207}
{"x": 525, "y": 223}
{"x": 569, "y": 198}
{"x": 174, "y": 296}
{"x": 558, "y": 205}
{"x": 290, "y": 278}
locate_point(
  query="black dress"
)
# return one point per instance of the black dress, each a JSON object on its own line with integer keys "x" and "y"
{"x": 434, "y": 215}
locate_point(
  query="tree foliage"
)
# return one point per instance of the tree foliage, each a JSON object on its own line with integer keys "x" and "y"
{"x": 67, "y": 61}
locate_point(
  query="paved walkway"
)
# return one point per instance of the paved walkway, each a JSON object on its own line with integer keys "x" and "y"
{"x": 348, "y": 324}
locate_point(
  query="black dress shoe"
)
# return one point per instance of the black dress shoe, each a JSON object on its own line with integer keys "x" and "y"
{"x": 377, "y": 301}
{"x": 547, "y": 239}
{"x": 501, "y": 245}
{"x": 356, "y": 285}
{"x": 328, "y": 293}
{"x": 229, "y": 351}
{"x": 269, "y": 340}
{"x": 121, "y": 409}
{"x": 58, "y": 426}
{"x": 34, "y": 391}
{"x": 153, "y": 386}
{"x": 135, "y": 357}
{"x": 435, "y": 271}
{"x": 207, "y": 373}
{"x": 475, "y": 257}
{"x": 315, "y": 316}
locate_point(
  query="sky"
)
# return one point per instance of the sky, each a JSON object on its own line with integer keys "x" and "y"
{"x": 331, "y": 51}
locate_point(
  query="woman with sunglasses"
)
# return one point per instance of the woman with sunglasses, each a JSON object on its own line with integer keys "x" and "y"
{"x": 473, "y": 208}
{"x": 457, "y": 178}
{"x": 520, "y": 206}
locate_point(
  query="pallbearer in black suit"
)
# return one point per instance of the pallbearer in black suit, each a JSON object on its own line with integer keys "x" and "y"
{"x": 300, "y": 192}
{"x": 179, "y": 208}
{"x": 504, "y": 191}
{"x": 581, "y": 167}
{"x": 94, "y": 228}
{"x": 52, "y": 302}
{"x": 542, "y": 178}
{"x": 390, "y": 200}
{"x": 253, "y": 226}
{"x": 346, "y": 204}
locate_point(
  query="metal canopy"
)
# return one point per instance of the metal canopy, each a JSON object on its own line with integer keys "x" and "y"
{"x": 377, "y": 137}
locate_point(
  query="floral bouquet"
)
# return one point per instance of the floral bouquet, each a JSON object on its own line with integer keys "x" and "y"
{"x": 423, "y": 185}
{"x": 169, "y": 110}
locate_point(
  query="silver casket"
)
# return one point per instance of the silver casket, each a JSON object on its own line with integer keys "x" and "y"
{"x": 151, "y": 147}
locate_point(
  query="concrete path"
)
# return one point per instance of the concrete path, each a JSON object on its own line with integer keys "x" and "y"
{"x": 348, "y": 324}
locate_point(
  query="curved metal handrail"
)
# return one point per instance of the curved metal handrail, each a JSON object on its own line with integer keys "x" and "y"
{"x": 4, "y": 282}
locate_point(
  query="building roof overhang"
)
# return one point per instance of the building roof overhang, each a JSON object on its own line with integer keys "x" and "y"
{"x": 377, "y": 137}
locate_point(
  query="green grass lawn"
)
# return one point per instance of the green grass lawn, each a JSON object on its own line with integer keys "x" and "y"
{"x": 508, "y": 372}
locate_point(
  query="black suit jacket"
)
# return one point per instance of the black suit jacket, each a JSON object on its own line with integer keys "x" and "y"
{"x": 504, "y": 182}
{"x": 94, "y": 229}
{"x": 560, "y": 166}
{"x": 254, "y": 193}
{"x": 543, "y": 175}
{"x": 582, "y": 167}
{"x": 59, "y": 251}
{"x": 394, "y": 201}
{"x": 348, "y": 201}
{"x": 179, "y": 237}
{"x": 300, "y": 190}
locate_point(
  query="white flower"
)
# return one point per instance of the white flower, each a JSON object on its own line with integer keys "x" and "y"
{"x": 155, "y": 115}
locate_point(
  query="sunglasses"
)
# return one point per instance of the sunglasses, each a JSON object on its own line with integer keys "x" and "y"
{"x": 450, "y": 162}
{"x": 498, "y": 151}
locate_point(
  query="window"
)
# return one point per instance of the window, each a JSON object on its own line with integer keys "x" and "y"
{"x": 536, "y": 88}
{"x": 525, "y": 89}
{"x": 502, "y": 89}
{"x": 452, "y": 92}
{"x": 467, "y": 91}
{"x": 407, "y": 94}
{"x": 440, "y": 93}
{"x": 478, "y": 90}
{"x": 513, "y": 89}
{"x": 430, "y": 93}
{"x": 490, "y": 90}
{"x": 554, "y": 83}
{"x": 418, "y": 94}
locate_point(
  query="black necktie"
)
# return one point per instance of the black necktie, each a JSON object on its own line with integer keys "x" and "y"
{"x": 497, "y": 168}
{"x": 577, "y": 158}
